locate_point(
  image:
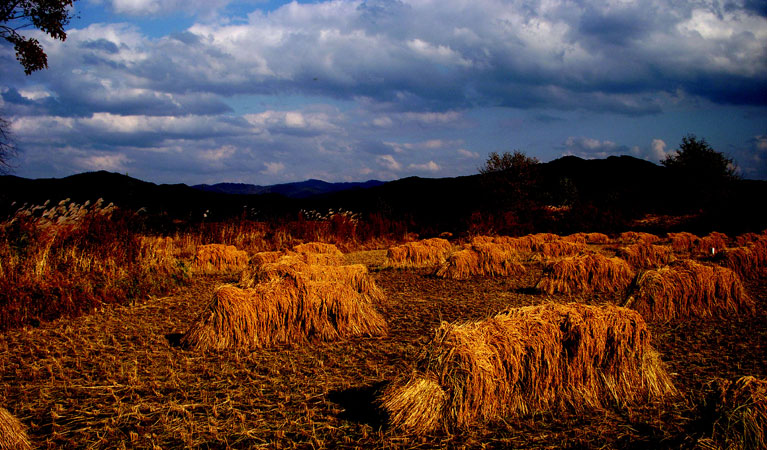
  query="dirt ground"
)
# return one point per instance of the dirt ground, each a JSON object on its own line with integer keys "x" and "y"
{"x": 116, "y": 379}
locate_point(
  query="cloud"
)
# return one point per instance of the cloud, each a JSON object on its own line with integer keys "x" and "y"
{"x": 430, "y": 166}
{"x": 110, "y": 162}
{"x": 273, "y": 168}
{"x": 468, "y": 153}
{"x": 388, "y": 162}
{"x": 590, "y": 148}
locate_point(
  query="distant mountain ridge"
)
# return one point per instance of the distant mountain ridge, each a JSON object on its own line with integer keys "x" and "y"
{"x": 302, "y": 189}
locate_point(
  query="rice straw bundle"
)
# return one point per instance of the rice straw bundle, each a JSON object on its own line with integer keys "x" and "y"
{"x": 588, "y": 273}
{"x": 281, "y": 312}
{"x": 319, "y": 253}
{"x": 421, "y": 254}
{"x": 525, "y": 361}
{"x": 688, "y": 288}
{"x": 13, "y": 435}
{"x": 736, "y": 411}
{"x": 711, "y": 244}
{"x": 261, "y": 258}
{"x": 588, "y": 238}
{"x": 558, "y": 249}
{"x": 683, "y": 242}
{"x": 635, "y": 237}
{"x": 219, "y": 257}
{"x": 748, "y": 261}
{"x": 646, "y": 256}
{"x": 748, "y": 238}
{"x": 482, "y": 259}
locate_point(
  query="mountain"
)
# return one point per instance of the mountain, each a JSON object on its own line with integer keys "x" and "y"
{"x": 565, "y": 195}
{"x": 303, "y": 189}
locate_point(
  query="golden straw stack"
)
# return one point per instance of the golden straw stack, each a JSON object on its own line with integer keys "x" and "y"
{"x": 525, "y": 361}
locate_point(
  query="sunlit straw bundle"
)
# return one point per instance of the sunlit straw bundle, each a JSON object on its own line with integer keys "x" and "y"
{"x": 711, "y": 244}
{"x": 586, "y": 273}
{"x": 736, "y": 411}
{"x": 13, "y": 435}
{"x": 646, "y": 256}
{"x": 683, "y": 242}
{"x": 282, "y": 312}
{"x": 419, "y": 254}
{"x": 219, "y": 257}
{"x": 588, "y": 238}
{"x": 319, "y": 253}
{"x": 688, "y": 288}
{"x": 480, "y": 259}
{"x": 634, "y": 237}
{"x": 525, "y": 361}
{"x": 747, "y": 261}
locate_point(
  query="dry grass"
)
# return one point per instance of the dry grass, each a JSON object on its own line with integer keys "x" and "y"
{"x": 736, "y": 412}
{"x": 636, "y": 237}
{"x": 211, "y": 258}
{"x": 587, "y": 273}
{"x": 749, "y": 260}
{"x": 588, "y": 238}
{"x": 13, "y": 435}
{"x": 711, "y": 244}
{"x": 646, "y": 256}
{"x": 688, "y": 288}
{"x": 419, "y": 254}
{"x": 525, "y": 361}
{"x": 482, "y": 259}
{"x": 682, "y": 242}
{"x": 282, "y": 312}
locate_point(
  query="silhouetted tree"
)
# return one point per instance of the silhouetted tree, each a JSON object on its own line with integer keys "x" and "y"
{"x": 49, "y": 16}
{"x": 516, "y": 162}
{"x": 696, "y": 159}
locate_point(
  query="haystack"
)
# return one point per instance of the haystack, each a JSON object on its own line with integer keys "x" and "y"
{"x": 646, "y": 256}
{"x": 525, "y": 361}
{"x": 295, "y": 268}
{"x": 319, "y": 253}
{"x": 13, "y": 435}
{"x": 688, "y": 288}
{"x": 282, "y": 312}
{"x": 487, "y": 259}
{"x": 587, "y": 273}
{"x": 588, "y": 238}
{"x": 219, "y": 257}
{"x": 711, "y": 244}
{"x": 736, "y": 412}
{"x": 749, "y": 260}
{"x": 635, "y": 237}
{"x": 682, "y": 242}
{"x": 419, "y": 254}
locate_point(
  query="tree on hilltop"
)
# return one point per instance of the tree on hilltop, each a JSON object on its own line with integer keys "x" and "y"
{"x": 695, "y": 158}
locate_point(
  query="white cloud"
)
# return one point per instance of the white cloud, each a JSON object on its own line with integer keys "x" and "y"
{"x": 468, "y": 153}
{"x": 430, "y": 166}
{"x": 658, "y": 150}
{"x": 273, "y": 168}
{"x": 110, "y": 162}
{"x": 388, "y": 162}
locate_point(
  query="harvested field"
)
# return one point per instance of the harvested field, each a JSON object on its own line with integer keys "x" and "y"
{"x": 419, "y": 254}
{"x": 735, "y": 411}
{"x": 116, "y": 378}
{"x": 585, "y": 274}
{"x": 526, "y": 361}
{"x": 636, "y": 237}
{"x": 749, "y": 260}
{"x": 482, "y": 259}
{"x": 688, "y": 288}
{"x": 588, "y": 238}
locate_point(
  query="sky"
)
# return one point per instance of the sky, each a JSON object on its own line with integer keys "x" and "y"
{"x": 265, "y": 92}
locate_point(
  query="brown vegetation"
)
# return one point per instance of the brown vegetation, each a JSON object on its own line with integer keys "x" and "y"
{"x": 282, "y": 312}
{"x": 419, "y": 254}
{"x": 749, "y": 260}
{"x": 483, "y": 259}
{"x": 526, "y": 361}
{"x": 588, "y": 238}
{"x": 646, "y": 256}
{"x": 688, "y": 288}
{"x": 736, "y": 413}
{"x": 588, "y": 273}
{"x": 13, "y": 435}
{"x": 636, "y": 237}
{"x": 218, "y": 258}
